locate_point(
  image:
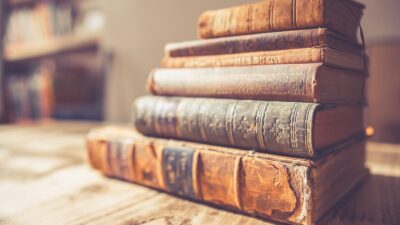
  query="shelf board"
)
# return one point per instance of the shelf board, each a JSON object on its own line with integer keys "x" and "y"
{"x": 21, "y": 52}
{"x": 20, "y": 2}
{"x": 15, "y": 3}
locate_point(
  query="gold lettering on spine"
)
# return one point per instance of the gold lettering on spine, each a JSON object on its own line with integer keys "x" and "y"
{"x": 230, "y": 115}
{"x": 237, "y": 181}
{"x": 260, "y": 118}
{"x": 195, "y": 175}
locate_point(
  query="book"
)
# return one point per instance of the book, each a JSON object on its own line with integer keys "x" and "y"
{"x": 78, "y": 91}
{"x": 342, "y": 16}
{"x": 40, "y": 23}
{"x": 318, "y": 37}
{"x": 323, "y": 55}
{"x": 30, "y": 94}
{"x": 312, "y": 82}
{"x": 290, "y": 190}
{"x": 288, "y": 128}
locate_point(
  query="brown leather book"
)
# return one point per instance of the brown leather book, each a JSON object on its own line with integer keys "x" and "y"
{"x": 288, "y": 128}
{"x": 312, "y": 82}
{"x": 323, "y": 55}
{"x": 282, "y": 40}
{"x": 285, "y": 189}
{"x": 342, "y": 16}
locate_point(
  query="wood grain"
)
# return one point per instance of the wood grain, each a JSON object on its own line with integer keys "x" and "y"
{"x": 44, "y": 180}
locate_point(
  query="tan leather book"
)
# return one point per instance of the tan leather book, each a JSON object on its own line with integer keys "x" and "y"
{"x": 319, "y": 37}
{"x": 312, "y": 82}
{"x": 285, "y": 189}
{"x": 342, "y": 16}
{"x": 287, "y": 128}
{"x": 323, "y": 55}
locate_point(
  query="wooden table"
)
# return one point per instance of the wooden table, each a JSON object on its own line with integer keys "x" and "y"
{"x": 44, "y": 180}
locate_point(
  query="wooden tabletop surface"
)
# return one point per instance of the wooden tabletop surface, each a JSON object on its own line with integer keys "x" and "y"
{"x": 44, "y": 179}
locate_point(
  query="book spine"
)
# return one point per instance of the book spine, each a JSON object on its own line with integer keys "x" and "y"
{"x": 264, "y": 16}
{"x": 277, "y": 127}
{"x": 292, "y": 56}
{"x": 273, "y": 83}
{"x": 250, "y": 43}
{"x": 247, "y": 183}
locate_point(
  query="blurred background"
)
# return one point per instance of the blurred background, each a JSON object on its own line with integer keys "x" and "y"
{"x": 88, "y": 59}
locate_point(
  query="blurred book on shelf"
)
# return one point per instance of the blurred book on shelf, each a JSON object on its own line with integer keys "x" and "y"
{"x": 78, "y": 88}
{"x": 43, "y": 21}
{"x": 30, "y": 94}
{"x": 51, "y": 50}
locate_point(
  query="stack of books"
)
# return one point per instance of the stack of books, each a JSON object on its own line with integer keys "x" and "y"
{"x": 263, "y": 115}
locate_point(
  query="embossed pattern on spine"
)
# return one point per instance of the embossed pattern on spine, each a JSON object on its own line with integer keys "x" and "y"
{"x": 117, "y": 154}
{"x": 278, "y": 127}
{"x": 291, "y": 56}
{"x": 226, "y": 177}
{"x": 274, "y": 82}
{"x": 177, "y": 166}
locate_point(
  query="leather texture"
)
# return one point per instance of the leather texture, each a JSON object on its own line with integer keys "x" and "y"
{"x": 269, "y": 186}
{"x": 278, "y": 15}
{"x": 318, "y": 37}
{"x": 312, "y": 82}
{"x": 323, "y": 55}
{"x": 277, "y": 127}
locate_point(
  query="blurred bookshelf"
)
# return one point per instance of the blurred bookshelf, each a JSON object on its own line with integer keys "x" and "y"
{"x": 53, "y": 65}
{"x": 20, "y": 52}
{"x": 20, "y": 2}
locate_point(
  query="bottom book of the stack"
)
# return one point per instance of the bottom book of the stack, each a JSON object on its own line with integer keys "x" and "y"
{"x": 286, "y": 189}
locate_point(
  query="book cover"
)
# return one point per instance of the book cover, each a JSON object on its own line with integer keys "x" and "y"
{"x": 293, "y": 39}
{"x": 323, "y": 55}
{"x": 290, "y": 190}
{"x": 264, "y": 16}
{"x": 287, "y": 128}
{"x": 311, "y": 82}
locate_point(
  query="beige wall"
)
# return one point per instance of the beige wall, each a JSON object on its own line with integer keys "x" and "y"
{"x": 384, "y": 91}
{"x": 137, "y": 30}
{"x": 381, "y": 21}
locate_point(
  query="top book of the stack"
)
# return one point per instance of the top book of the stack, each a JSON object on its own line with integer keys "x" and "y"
{"x": 342, "y": 16}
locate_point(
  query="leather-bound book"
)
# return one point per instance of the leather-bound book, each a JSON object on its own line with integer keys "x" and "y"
{"x": 290, "y": 190}
{"x": 292, "y": 82}
{"x": 319, "y": 37}
{"x": 342, "y": 16}
{"x": 287, "y": 128}
{"x": 323, "y": 55}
